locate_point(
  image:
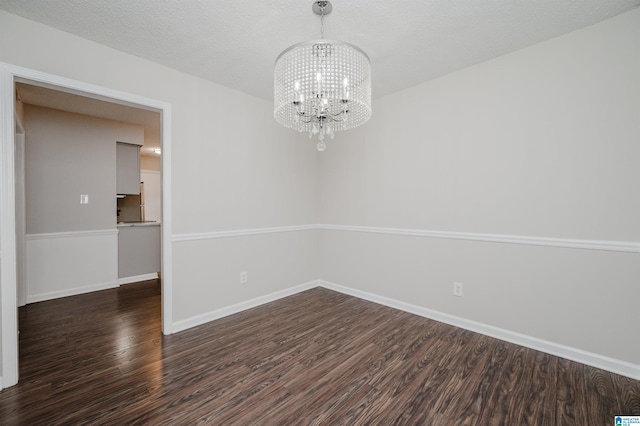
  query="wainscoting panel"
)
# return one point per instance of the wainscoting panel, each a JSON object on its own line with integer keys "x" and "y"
{"x": 239, "y": 307}
{"x": 67, "y": 263}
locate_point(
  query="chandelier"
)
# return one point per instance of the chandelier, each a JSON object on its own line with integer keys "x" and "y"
{"x": 322, "y": 86}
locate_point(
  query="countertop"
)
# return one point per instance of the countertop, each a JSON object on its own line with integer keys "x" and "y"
{"x": 130, "y": 224}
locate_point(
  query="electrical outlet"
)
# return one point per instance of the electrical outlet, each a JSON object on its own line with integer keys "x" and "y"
{"x": 457, "y": 289}
{"x": 243, "y": 278}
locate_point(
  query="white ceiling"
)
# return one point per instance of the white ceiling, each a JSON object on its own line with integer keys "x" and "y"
{"x": 235, "y": 43}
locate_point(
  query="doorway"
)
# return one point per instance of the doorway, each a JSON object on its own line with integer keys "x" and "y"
{"x": 9, "y": 244}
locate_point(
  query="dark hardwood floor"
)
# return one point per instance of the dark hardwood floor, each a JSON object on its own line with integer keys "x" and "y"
{"x": 318, "y": 357}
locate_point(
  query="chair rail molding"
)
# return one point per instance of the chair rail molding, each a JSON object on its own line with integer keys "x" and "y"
{"x": 604, "y": 245}
{"x": 240, "y": 232}
{"x": 620, "y": 246}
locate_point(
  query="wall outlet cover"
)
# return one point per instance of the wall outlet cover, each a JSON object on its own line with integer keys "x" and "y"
{"x": 458, "y": 289}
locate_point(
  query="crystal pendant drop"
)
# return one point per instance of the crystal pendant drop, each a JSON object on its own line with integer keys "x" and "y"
{"x": 321, "y": 146}
{"x": 330, "y": 131}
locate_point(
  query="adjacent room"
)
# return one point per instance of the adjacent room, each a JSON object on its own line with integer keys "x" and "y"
{"x": 430, "y": 219}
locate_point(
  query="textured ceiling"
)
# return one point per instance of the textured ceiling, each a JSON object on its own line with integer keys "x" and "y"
{"x": 235, "y": 43}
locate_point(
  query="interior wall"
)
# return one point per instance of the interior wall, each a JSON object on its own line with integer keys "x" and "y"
{"x": 150, "y": 163}
{"x": 276, "y": 262}
{"x": 233, "y": 167}
{"x": 542, "y": 142}
{"x": 68, "y": 155}
{"x": 71, "y": 248}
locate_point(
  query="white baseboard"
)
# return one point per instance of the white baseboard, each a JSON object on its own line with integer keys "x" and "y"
{"x": 137, "y": 278}
{"x": 239, "y": 307}
{"x": 589, "y": 358}
{"x": 595, "y": 360}
{"x": 71, "y": 292}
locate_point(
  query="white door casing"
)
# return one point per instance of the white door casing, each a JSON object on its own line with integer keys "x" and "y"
{"x": 9, "y": 74}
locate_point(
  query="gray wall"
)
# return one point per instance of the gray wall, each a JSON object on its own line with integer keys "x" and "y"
{"x": 539, "y": 142}
{"x": 229, "y": 170}
{"x": 543, "y": 142}
{"x": 68, "y": 155}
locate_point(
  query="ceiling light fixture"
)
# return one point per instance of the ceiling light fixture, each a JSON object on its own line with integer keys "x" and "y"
{"x": 322, "y": 86}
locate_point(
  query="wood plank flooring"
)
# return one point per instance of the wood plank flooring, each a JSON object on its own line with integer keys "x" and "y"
{"x": 315, "y": 358}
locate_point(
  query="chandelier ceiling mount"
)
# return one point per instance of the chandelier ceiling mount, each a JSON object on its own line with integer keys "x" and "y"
{"x": 322, "y": 7}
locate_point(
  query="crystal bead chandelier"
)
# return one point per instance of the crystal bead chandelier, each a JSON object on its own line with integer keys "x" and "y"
{"x": 322, "y": 86}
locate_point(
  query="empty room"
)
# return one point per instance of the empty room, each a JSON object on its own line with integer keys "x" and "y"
{"x": 319, "y": 212}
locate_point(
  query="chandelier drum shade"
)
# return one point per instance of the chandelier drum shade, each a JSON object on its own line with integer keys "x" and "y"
{"x": 322, "y": 86}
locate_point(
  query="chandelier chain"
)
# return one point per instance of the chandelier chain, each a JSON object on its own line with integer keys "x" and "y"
{"x": 322, "y": 22}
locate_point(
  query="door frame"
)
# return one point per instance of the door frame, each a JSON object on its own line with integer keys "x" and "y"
{"x": 20, "y": 200}
{"x": 9, "y": 75}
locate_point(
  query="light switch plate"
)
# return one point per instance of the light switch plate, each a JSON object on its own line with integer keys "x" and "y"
{"x": 84, "y": 199}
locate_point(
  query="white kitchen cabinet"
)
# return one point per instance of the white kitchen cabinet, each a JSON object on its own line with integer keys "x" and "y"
{"x": 127, "y": 168}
